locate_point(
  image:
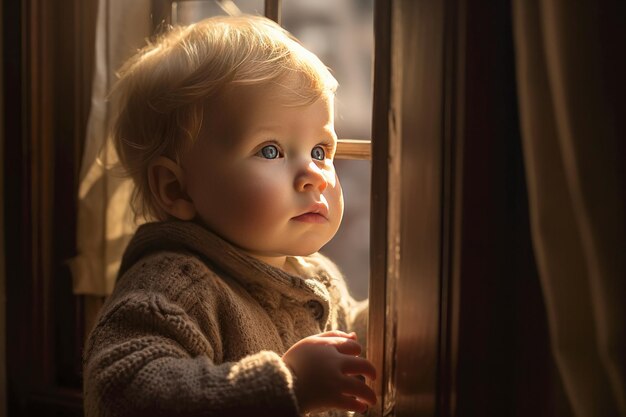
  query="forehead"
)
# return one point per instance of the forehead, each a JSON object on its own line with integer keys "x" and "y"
{"x": 288, "y": 109}
{"x": 242, "y": 110}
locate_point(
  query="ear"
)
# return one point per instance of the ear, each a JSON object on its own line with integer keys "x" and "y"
{"x": 167, "y": 184}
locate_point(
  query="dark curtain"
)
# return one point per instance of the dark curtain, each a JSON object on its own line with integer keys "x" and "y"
{"x": 570, "y": 71}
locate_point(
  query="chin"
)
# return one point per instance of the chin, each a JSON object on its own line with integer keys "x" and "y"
{"x": 303, "y": 251}
{"x": 306, "y": 250}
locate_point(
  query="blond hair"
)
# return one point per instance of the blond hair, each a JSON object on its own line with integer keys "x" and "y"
{"x": 165, "y": 88}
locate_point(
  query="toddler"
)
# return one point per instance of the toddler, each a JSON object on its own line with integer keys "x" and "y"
{"x": 222, "y": 306}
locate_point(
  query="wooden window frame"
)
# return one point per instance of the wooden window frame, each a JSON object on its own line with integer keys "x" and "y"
{"x": 413, "y": 128}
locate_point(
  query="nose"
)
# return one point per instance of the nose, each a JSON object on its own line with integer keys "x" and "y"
{"x": 311, "y": 178}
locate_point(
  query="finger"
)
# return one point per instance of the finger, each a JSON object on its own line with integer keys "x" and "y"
{"x": 342, "y": 344}
{"x": 359, "y": 377}
{"x": 358, "y": 366}
{"x": 338, "y": 333}
{"x": 348, "y": 347}
{"x": 352, "y": 386}
{"x": 345, "y": 402}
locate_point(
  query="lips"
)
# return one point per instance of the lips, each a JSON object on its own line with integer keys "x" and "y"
{"x": 316, "y": 213}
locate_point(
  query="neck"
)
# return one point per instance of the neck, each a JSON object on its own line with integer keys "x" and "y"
{"x": 276, "y": 261}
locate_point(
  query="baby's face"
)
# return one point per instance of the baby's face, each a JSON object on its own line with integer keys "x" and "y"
{"x": 263, "y": 176}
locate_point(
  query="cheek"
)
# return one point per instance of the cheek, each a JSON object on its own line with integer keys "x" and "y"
{"x": 334, "y": 195}
{"x": 340, "y": 199}
{"x": 253, "y": 199}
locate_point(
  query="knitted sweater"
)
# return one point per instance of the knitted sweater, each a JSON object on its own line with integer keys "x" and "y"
{"x": 196, "y": 327}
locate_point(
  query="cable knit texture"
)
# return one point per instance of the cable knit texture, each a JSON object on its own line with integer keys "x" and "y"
{"x": 196, "y": 327}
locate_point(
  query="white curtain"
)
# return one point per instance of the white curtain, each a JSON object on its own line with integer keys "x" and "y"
{"x": 574, "y": 158}
{"x": 105, "y": 221}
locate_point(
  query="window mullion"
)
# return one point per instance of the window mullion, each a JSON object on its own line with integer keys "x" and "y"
{"x": 354, "y": 149}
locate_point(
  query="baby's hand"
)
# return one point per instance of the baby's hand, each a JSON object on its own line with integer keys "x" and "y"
{"x": 329, "y": 373}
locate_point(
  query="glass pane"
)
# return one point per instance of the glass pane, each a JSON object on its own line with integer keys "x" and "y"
{"x": 341, "y": 34}
{"x": 187, "y": 12}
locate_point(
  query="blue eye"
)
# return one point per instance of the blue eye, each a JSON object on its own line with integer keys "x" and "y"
{"x": 318, "y": 153}
{"x": 269, "y": 152}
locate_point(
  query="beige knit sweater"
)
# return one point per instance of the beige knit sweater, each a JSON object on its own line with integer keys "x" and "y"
{"x": 195, "y": 327}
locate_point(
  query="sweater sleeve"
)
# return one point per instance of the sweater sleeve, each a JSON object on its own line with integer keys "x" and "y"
{"x": 147, "y": 357}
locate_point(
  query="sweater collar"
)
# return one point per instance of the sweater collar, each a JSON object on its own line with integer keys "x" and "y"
{"x": 179, "y": 236}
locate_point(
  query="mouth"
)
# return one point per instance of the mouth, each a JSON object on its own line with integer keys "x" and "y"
{"x": 317, "y": 213}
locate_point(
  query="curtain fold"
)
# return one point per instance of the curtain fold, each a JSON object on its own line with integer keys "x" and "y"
{"x": 105, "y": 221}
{"x": 574, "y": 160}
